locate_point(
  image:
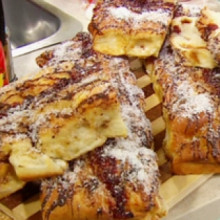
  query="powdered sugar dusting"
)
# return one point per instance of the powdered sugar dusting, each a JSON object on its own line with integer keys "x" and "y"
{"x": 16, "y": 137}
{"x": 142, "y": 161}
{"x": 65, "y": 52}
{"x": 189, "y": 102}
{"x": 192, "y": 8}
{"x": 62, "y": 49}
{"x": 71, "y": 176}
{"x": 190, "y": 94}
{"x": 123, "y": 13}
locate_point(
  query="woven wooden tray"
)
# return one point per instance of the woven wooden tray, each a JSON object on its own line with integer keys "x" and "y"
{"x": 25, "y": 204}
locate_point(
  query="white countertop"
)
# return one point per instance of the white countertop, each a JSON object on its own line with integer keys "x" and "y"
{"x": 75, "y": 8}
{"x": 202, "y": 203}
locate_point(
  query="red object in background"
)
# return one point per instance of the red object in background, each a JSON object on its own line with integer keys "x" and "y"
{"x": 4, "y": 74}
{"x": 4, "y": 79}
{"x": 2, "y": 59}
{"x": 90, "y": 1}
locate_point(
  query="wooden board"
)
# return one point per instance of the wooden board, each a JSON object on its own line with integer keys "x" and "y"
{"x": 25, "y": 204}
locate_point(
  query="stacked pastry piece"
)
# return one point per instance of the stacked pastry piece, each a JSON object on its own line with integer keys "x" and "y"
{"x": 118, "y": 180}
{"x": 191, "y": 100}
{"x": 134, "y": 28}
{"x": 190, "y": 92}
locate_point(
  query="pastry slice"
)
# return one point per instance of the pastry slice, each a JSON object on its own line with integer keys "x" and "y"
{"x": 189, "y": 47}
{"x": 133, "y": 28}
{"x": 119, "y": 180}
{"x": 60, "y": 114}
{"x": 191, "y": 100}
{"x": 209, "y": 27}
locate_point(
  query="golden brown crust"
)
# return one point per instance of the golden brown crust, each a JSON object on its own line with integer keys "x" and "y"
{"x": 191, "y": 100}
{"x": 133, "y": 28}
